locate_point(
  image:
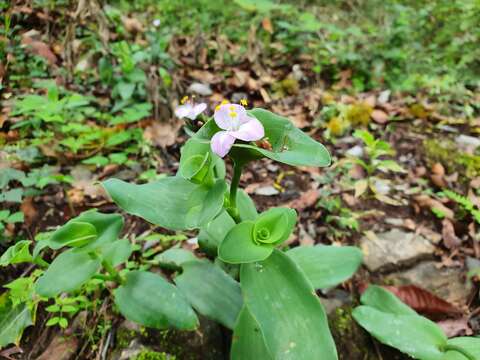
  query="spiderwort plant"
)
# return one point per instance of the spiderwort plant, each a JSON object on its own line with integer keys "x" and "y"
{"x": 246, "y": 281}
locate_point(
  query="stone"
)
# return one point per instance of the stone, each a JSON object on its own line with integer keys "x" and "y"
{"x": 447, "y": 283}
{"x": 267, "y": 191}
{"x": 200, "y": 89}
{"x": 467, "y": 141}
{"x": 356, "y": 151}
{"x": 394, "y": 248}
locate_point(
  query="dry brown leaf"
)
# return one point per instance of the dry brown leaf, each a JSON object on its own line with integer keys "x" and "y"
{"x": 428, "y": 202}
{"x": 39, "y": 48}
{"x": 162, "y": 134}
{"x": 456, "y": 327}
{"x": 306, "y": 200}
{"x": 29, "y": 212}
{"x": 450, "y": 239}
{"x": 423, "y": 301}
{"x": 267, "y": 25}
{"x": 379, "y": 116}
{"x": 132, "y": 25}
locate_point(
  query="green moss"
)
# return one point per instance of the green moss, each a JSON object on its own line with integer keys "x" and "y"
{"x": 447, "y": 153}
{"x": 124, "y": 337}
{"x": 153, "y": 355}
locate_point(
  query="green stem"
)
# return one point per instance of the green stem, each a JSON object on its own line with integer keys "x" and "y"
{"x": 114, "y": 273}
{"x": 462, "y": 351}
{"x": 237, "y": 172}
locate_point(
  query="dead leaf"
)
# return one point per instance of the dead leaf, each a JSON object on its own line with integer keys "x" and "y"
{"x": 306, "y": 200}
{"x": 304, "y": 237}
{"x": 132, "y": 25}
{"x": 379, "y": 116}
{"x": 39, "y": 48}
{"x": 456, "y": 327}
{"x": 267, "y": 25}
{"x": 30, "y": 214}
{"x": 428, "y": 202}
{"x": 423, "y": 301}
{"x": 360, "y": 187}
{"x": 450, "y": 239}
{"x": 61, "y": 348}
{"x": 163, "y": 133}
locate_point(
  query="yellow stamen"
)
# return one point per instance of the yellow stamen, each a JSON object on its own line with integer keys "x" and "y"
{"x": 243, "y": 102}
{"x": 233, "y": 114}
{"x": 232, "y": 108}
{"x": 184, "y": 100}
{"x": 224, "y": 102}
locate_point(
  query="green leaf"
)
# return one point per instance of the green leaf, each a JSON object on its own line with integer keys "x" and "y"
{"x": 285, "y": 306}
{"x": 290, "y": 145}
{"x": 74, "y": 234}
{"x": 17, "y": 253}
{"x": 390, "y": 165}
{"x": 174, "y": 258}
{"x": 16, "y": 217}
{"x": 148, "y": 299}
{"x": 211, "y": 291}
{"x": 238, "y": 246}
{"x": 214, "y": 232}
{"x": 13, "y": 320}
{"x": 194, "y": 159}
{"x": 246, "y": 206}
{"x": 326, "y": 266}
{"x": 254, "y": 241}
{"x": 108, "y": 227}
{"x": 468, "y": 344}
{"x": 248, "y": 341}
{"x": 411, "y": 334}
{"x": 117, "y": 252}
{"x": 67, "y": 273}
{"x": 14, "y": 195}
{"x": 173, "y": 202}
{"x": 383, "y": 300}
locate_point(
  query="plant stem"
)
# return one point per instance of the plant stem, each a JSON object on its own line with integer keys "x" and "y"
{"x": 114, "y": 273}
{"x": 237, "y": 172}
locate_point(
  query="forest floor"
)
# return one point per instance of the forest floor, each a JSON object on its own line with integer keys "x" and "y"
{"x": 88, "y": 95}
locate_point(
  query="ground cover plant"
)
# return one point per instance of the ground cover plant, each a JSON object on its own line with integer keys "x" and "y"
{"x": 165, "y": 194}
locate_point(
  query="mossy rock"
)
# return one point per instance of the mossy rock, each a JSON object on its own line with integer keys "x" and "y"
{"x": 354, "y": 343}
{"x": 153, "y": 355}
{"x": 447, "y": 153}
{"x": 206, "y": 343}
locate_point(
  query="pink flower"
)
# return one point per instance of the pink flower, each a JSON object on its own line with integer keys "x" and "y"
{"x": 190, "y": 110}
{"x": 236, "y": 124}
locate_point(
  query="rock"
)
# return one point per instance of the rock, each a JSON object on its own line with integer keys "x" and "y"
{"x": 384, "y": 96}
{"x": 394, "y": 248}
{"x": 200, "y": 89}
{"x": 394, "y": 222}
{"x": 266, "y": 191}
{"x": 356, "y": 151}
{"x": 467, "y": 141}
{"x": 446, "y": 283}
{"x": 237, "y": 96}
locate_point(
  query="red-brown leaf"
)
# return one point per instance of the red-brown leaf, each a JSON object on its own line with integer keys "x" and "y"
{"x": 424, "y": 302}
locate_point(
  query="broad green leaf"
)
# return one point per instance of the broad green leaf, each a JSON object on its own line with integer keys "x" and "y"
{"x": 174, "y": 258}
{"x": 150, "y": 300}
{"x": 211, "y": 291}
{"x": 17, "y": 253}
{"x": 274, "y": 226}
{"x": 290, "y": 145}
{"x": 214, "y": 232}
{"x": 194, "y": 160}
{"x": 173, "y": 202}
{"x": 291, "y": 317}
{"x": 326, "y": 266}
{"x": 16, "y": 217}
{"x": 117, "y": 252}
{"x": 468, "y": 344}
{"x": 383, "y": 300}
{"x": 108, "y": 227}
{"x": 248, "y": 341}
{"x": 74, "y": 234}
{"x": 454, "y": 355}
{"x": 67, "y": 273}
{"x": 411, "y": 334}
{"x": 13, "y": 320}
{"x": 238, "y": 246}
{"x": 246, "y": 206}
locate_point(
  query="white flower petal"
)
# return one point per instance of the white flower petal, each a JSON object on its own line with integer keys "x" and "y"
{"x": 249, "y": 131}
{"x": 221, "y": 143}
